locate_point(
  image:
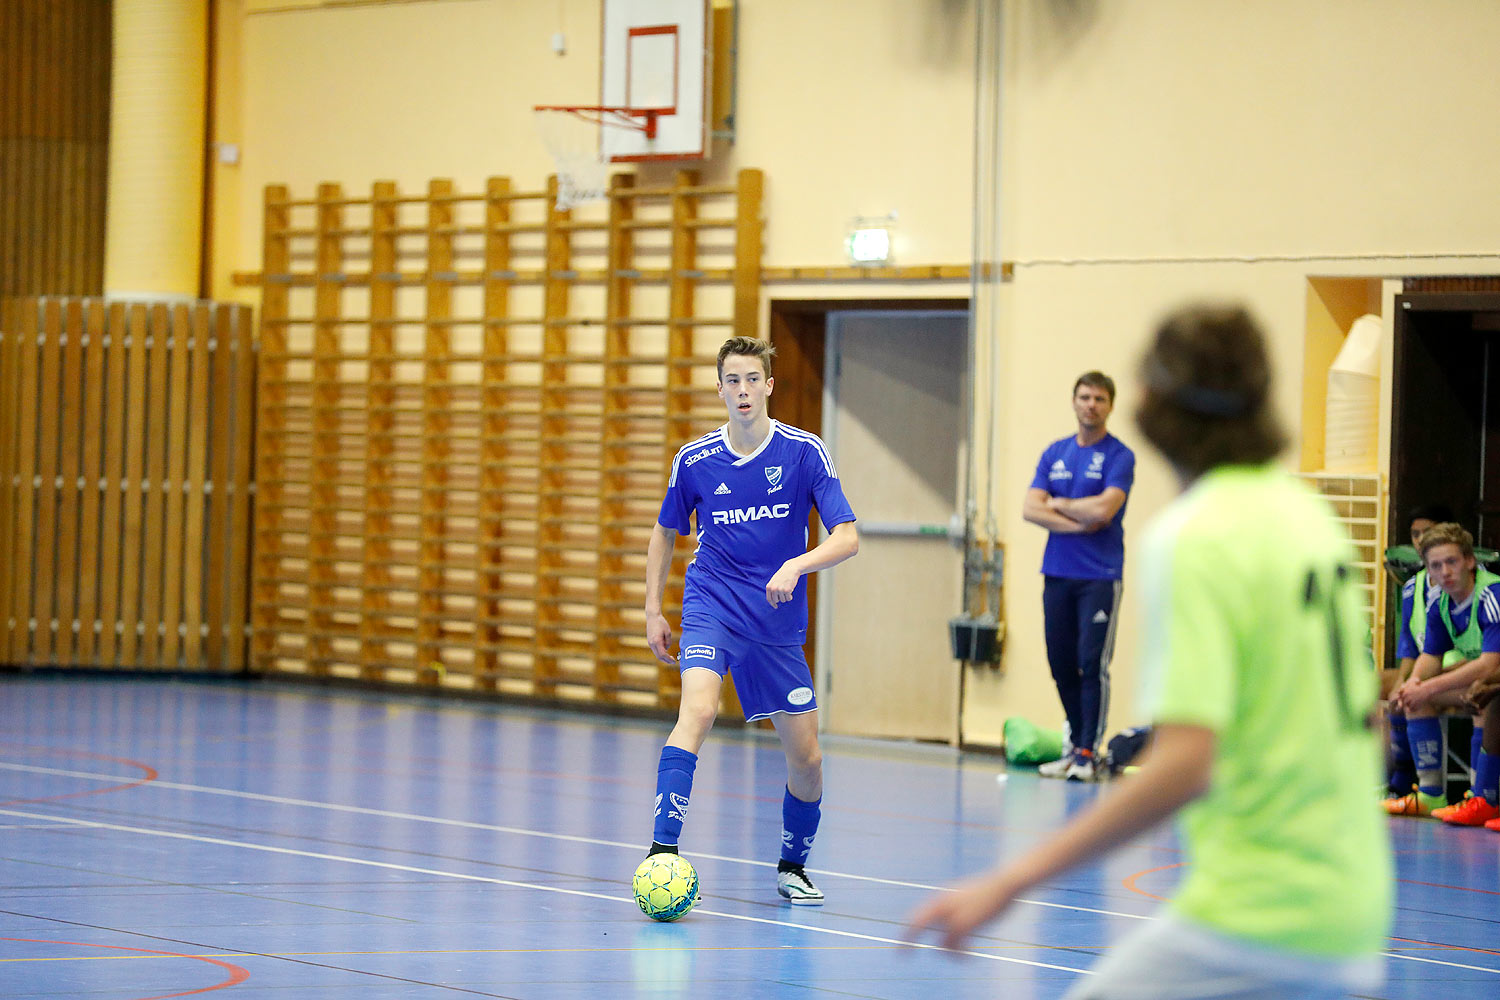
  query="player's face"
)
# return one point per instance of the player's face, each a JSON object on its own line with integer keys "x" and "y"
{"x": 744, "y": 387}
{"x": 1418, "y": 526}
{"x": 1449, "y": 568}
{"x": 1092, "y": 406}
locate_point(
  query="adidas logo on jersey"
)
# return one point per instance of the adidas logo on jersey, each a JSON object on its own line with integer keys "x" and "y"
{"x": 1100, "y": 616}
{"x": 723, "y": 489}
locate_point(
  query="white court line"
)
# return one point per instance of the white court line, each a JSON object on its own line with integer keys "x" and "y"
{"x": 390, "y": 866}
{"x": 518, "y": 831}
{"x": 467, "y": 824}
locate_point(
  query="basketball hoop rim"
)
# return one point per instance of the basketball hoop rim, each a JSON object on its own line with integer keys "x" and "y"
{"x": 640, "y": 119}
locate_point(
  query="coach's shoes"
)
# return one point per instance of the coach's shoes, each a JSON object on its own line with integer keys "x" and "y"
{"x": 1081, "y": 767}
{"x": 1057, "y": 768}
{"x": 1472, "y": 811}
{"x": 797, "y": 887}
{"x": 1417, "y": 803}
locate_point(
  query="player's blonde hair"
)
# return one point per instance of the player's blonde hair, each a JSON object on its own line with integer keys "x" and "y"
{"x": 752, "y": 347}
{"x": 1446, "y": 533}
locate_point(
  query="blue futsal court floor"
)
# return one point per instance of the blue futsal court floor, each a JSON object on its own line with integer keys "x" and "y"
{"x": 165, "y": 838}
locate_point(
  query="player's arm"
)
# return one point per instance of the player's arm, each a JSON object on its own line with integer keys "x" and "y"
{"x": 1391, "y": 680}
{"x": 658, "y": 569}
{"x": 841, "y": 543}
{"x": 1039, "y": 511}
{"x": 1090, "y": 512}
{"x": 1176, "y": 771}
{"x": 1418, "y": 692}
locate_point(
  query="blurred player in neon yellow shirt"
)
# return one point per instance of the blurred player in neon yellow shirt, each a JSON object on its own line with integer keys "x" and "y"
{"x": 1252, "y": 667}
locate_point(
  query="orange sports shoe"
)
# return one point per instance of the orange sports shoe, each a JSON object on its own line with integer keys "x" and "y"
{"x": 1416, "y": 803}
{"x": 1493, "y": 824}
{"x": 1472, "y": 811}
{"x": 1442, "y": 811}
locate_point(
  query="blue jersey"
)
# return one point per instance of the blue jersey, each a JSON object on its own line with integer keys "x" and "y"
{"x": 1069, "y": 470}
{"x": 1487, "y": 600}
{"x": 752, "y": 513}
{"x": 1407, "y": 647}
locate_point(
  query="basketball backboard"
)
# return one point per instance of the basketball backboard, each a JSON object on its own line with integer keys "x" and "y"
{"x": 656, "y": 55}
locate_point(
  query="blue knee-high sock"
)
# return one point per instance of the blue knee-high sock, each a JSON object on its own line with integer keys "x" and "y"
{"x": 674, "y": 785}
{"x": 1403, "y": 768}
{"x": 1475, "y": 742}
{"x": 1426, "y": 738}
{"x": 1487, "y": 777}
{"x": 799, "y": 825}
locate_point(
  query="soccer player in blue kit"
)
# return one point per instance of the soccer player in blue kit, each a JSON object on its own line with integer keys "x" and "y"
{"x": 751, "y": 485}
{"x": 1078, "y": 495}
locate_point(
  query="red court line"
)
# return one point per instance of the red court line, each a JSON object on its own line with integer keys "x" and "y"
{"x": 1440, "y": 885}
{"x": 236, "y": 973}
{"x": 151, "y": 774}
{"x": 1130, "y": 880}
{"x": 1447, "y": 947}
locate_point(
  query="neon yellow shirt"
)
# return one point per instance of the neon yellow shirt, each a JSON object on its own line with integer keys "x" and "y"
{"x": 1251, "y": 631}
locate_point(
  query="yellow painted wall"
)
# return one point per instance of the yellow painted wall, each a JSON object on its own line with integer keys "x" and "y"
{"x": 1152, "y": 151}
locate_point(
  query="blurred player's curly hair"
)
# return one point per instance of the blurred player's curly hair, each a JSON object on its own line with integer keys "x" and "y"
{"x": 1208, "y": 382}
{"x": 750, "y": 347}
{"x": 1446, "y": 533}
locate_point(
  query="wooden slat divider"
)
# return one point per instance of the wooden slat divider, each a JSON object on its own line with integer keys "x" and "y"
{"x": 154, "y": 485}
{"x": 44, "y": 562}
{"x": 196, "y": 408}
{"x": 70, "y": 489}
{"x": 112, "y": 520}
{"x": 178, "y": 393}
{"x": 101, "y": 555}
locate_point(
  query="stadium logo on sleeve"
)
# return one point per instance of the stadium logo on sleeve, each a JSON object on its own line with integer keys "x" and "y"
{"x": 699, "y": 653}
{"x": 700, "y": 455}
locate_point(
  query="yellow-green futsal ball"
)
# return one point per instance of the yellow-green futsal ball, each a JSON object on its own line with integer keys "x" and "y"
{"x": 666, "y": 886}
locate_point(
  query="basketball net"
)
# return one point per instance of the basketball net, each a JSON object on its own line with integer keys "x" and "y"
{"x": 573, "y": 137}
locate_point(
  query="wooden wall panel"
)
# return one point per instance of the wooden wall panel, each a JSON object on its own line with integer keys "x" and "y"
{"x": 54, "y": 154}
{"x": 467, "y": 408}
{"x": 111, "y": 463}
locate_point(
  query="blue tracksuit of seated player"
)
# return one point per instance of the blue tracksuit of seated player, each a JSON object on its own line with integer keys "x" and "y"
{"x": 752, "y": 512}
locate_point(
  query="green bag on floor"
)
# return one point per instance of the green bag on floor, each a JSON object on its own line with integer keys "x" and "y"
{"x": 1028, "y": 743}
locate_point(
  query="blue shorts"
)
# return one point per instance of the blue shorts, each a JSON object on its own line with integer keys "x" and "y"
{"x": 768, "y": 679}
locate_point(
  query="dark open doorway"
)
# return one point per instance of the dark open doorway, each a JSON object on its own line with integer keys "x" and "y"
{"x": 1444, "y": 411}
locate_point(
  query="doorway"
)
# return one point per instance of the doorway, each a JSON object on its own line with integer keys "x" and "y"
{"x": 891, "y": 403}
{"x": 1445, "y": 417}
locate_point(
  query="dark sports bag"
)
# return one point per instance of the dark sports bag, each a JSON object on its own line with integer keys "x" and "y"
{"x": 1125, "y": 748}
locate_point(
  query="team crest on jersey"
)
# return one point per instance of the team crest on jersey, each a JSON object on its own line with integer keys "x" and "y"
{"x": 773, "y": 476}
{"x": 1096, "y": 466}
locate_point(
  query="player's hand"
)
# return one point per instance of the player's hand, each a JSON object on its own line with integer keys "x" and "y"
{"x": 1482, "y": 692}
{"x": 957, "y": 914}
{"x": 659, "y": 638}
{"x": 1414, "y": 695}
{"x": 783, "y": 585}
